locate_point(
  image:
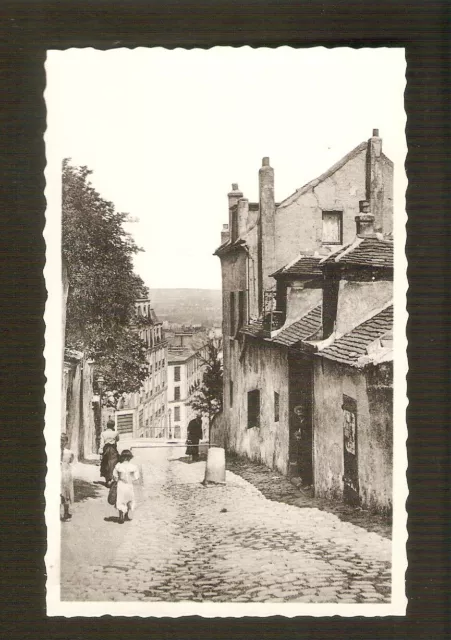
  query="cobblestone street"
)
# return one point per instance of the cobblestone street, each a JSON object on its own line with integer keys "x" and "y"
{"x": 216, "y": 543}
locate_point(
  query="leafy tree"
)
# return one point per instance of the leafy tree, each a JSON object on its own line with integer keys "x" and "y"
{"x": 100, "y": 318}
{"x": 208, "y": 399}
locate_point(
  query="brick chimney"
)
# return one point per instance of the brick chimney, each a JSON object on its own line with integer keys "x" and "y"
{"x": 224, "y": 233}
{"x": 375, "y": 180}
{"x": 365, "y": 221}
{"x": 233, "y": 197}
{"x": 266, "y": 230}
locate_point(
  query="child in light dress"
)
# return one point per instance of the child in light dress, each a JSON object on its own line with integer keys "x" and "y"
{"x": 67, "y": 480}
{"x": 125, "y": 473}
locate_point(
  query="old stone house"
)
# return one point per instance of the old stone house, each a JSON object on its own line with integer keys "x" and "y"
{"x": 277, "y": 290}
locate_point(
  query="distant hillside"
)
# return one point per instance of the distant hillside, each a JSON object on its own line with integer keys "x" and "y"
{"x": 188, "y": 306}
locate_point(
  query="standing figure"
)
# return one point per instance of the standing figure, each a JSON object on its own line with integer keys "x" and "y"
{"x": 67, "y": 480}
{"x": 125, "y": 473}
{"x": 108, "y": 451}
{"x": 194, "y": 436}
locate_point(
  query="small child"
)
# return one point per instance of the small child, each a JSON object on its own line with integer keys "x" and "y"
{"x": 67, "y": 481}
{"x": 125, "y": 473}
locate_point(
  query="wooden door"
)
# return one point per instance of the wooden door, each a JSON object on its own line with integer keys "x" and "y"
{"x": 350, "y": 452}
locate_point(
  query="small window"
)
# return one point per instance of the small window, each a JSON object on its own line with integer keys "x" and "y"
{"x": 276, "y": 406}
{"x": 176, "y": 414}
{"x": 231, "y": 392}
{"x": 241, "y": 308}
{"x": 332, "y": 227}
{"x": 253, "y": 409}
{"x": 176, "y": 393}
{"x": 232, "y": 313}
{"x": 177, "y": 374}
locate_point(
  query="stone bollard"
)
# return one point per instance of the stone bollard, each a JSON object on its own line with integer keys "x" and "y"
{"x": 215, "y": 467}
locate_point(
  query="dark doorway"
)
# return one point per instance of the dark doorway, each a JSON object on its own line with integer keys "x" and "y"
{"x": 350, "y": 452}
{"x": 301, "y": 419}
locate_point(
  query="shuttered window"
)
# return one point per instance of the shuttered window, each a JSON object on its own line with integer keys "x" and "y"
{"x": 125, "y": 422}
{"x": 176, "y": 414}
{"x": 176, "y": 393}
{"x": 177, "y": 374}
{"x": 332, "y": 227}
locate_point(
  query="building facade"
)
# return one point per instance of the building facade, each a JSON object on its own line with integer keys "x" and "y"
{"x": 185, "y": 370}
{"x": 145, "y": 414}
{"x": 287, "y": 298}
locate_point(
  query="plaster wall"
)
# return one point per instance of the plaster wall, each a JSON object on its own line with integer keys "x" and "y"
{"x": 358, "y": 300}
{"x": 263, "y": 367}
{"x": 299, "y": 221}
{"x": 387, "y": 175}
{"x": 78, "y": 417}
{"x": 374, "y": 434}
{"x": 300, "y": 301}
{"x": 376, "y": 470}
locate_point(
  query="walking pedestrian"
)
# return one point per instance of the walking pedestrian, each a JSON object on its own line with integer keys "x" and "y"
{"x": 67, "y": 480}
{"x": 194, "y": 436}
{"x": 108, "y": 451}
{"x": 125, "y": 473}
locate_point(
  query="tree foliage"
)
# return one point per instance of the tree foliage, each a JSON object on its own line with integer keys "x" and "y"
{"x": 103, "y": 287}
{"x": 208, "y": 399}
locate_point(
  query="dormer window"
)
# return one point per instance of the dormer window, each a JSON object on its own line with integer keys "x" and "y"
{"x": 332, "y": 227}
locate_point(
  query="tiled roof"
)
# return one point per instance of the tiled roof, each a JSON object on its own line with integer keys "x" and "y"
{"x": 374, "y": 252}
{"x": 179, "y": 354}
{"x": 350, "y": 347}
{"x": 301, "y": 329}
{"x": 229, "y": 246}
{"x": 304, "y": 266}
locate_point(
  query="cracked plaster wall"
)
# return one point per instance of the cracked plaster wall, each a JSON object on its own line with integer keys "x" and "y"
{"x": 263, "y": 367}
{"x": 372, "y": 392}
{"x": 299, "y": 224}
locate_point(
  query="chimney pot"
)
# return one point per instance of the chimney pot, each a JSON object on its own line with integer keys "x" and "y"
{"x": 265, "y": 162}
{"x": 375, "y": 133}
{"x": 225, "y": 227}
{"x": 235, "y": 186}
{"x": 364, "y": 206}
{"x": 365, "y": 221}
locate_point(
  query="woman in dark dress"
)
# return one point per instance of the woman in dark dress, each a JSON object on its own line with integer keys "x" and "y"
{"x": 109, "y": 452}
{"x": 194, "y": 437}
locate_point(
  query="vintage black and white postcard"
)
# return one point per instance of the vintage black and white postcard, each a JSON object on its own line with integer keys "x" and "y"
{"x": 226, "y": 332}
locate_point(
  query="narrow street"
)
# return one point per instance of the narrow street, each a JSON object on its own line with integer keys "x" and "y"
{"x": 216, "y": 543}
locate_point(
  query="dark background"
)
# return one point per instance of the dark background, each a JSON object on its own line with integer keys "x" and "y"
{"x": 31, "y": 28}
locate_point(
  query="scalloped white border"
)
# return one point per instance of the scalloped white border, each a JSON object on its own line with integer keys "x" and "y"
{"x": 53, "y": 354}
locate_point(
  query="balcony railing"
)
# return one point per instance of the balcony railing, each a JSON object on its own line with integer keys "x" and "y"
{"x": 273, "y": 321}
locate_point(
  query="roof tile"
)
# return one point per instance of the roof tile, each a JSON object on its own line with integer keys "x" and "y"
{"x": 350, "y": 347}
{"x": 368, "y": 252}
{"x": 304, "y": 266}
{"x": 302, "y": 329}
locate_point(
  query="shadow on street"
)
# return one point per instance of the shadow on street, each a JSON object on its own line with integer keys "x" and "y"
{"x": 84, "y": 490}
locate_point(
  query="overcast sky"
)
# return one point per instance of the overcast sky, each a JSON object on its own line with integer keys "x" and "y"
{"x": 167, "y": 132}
